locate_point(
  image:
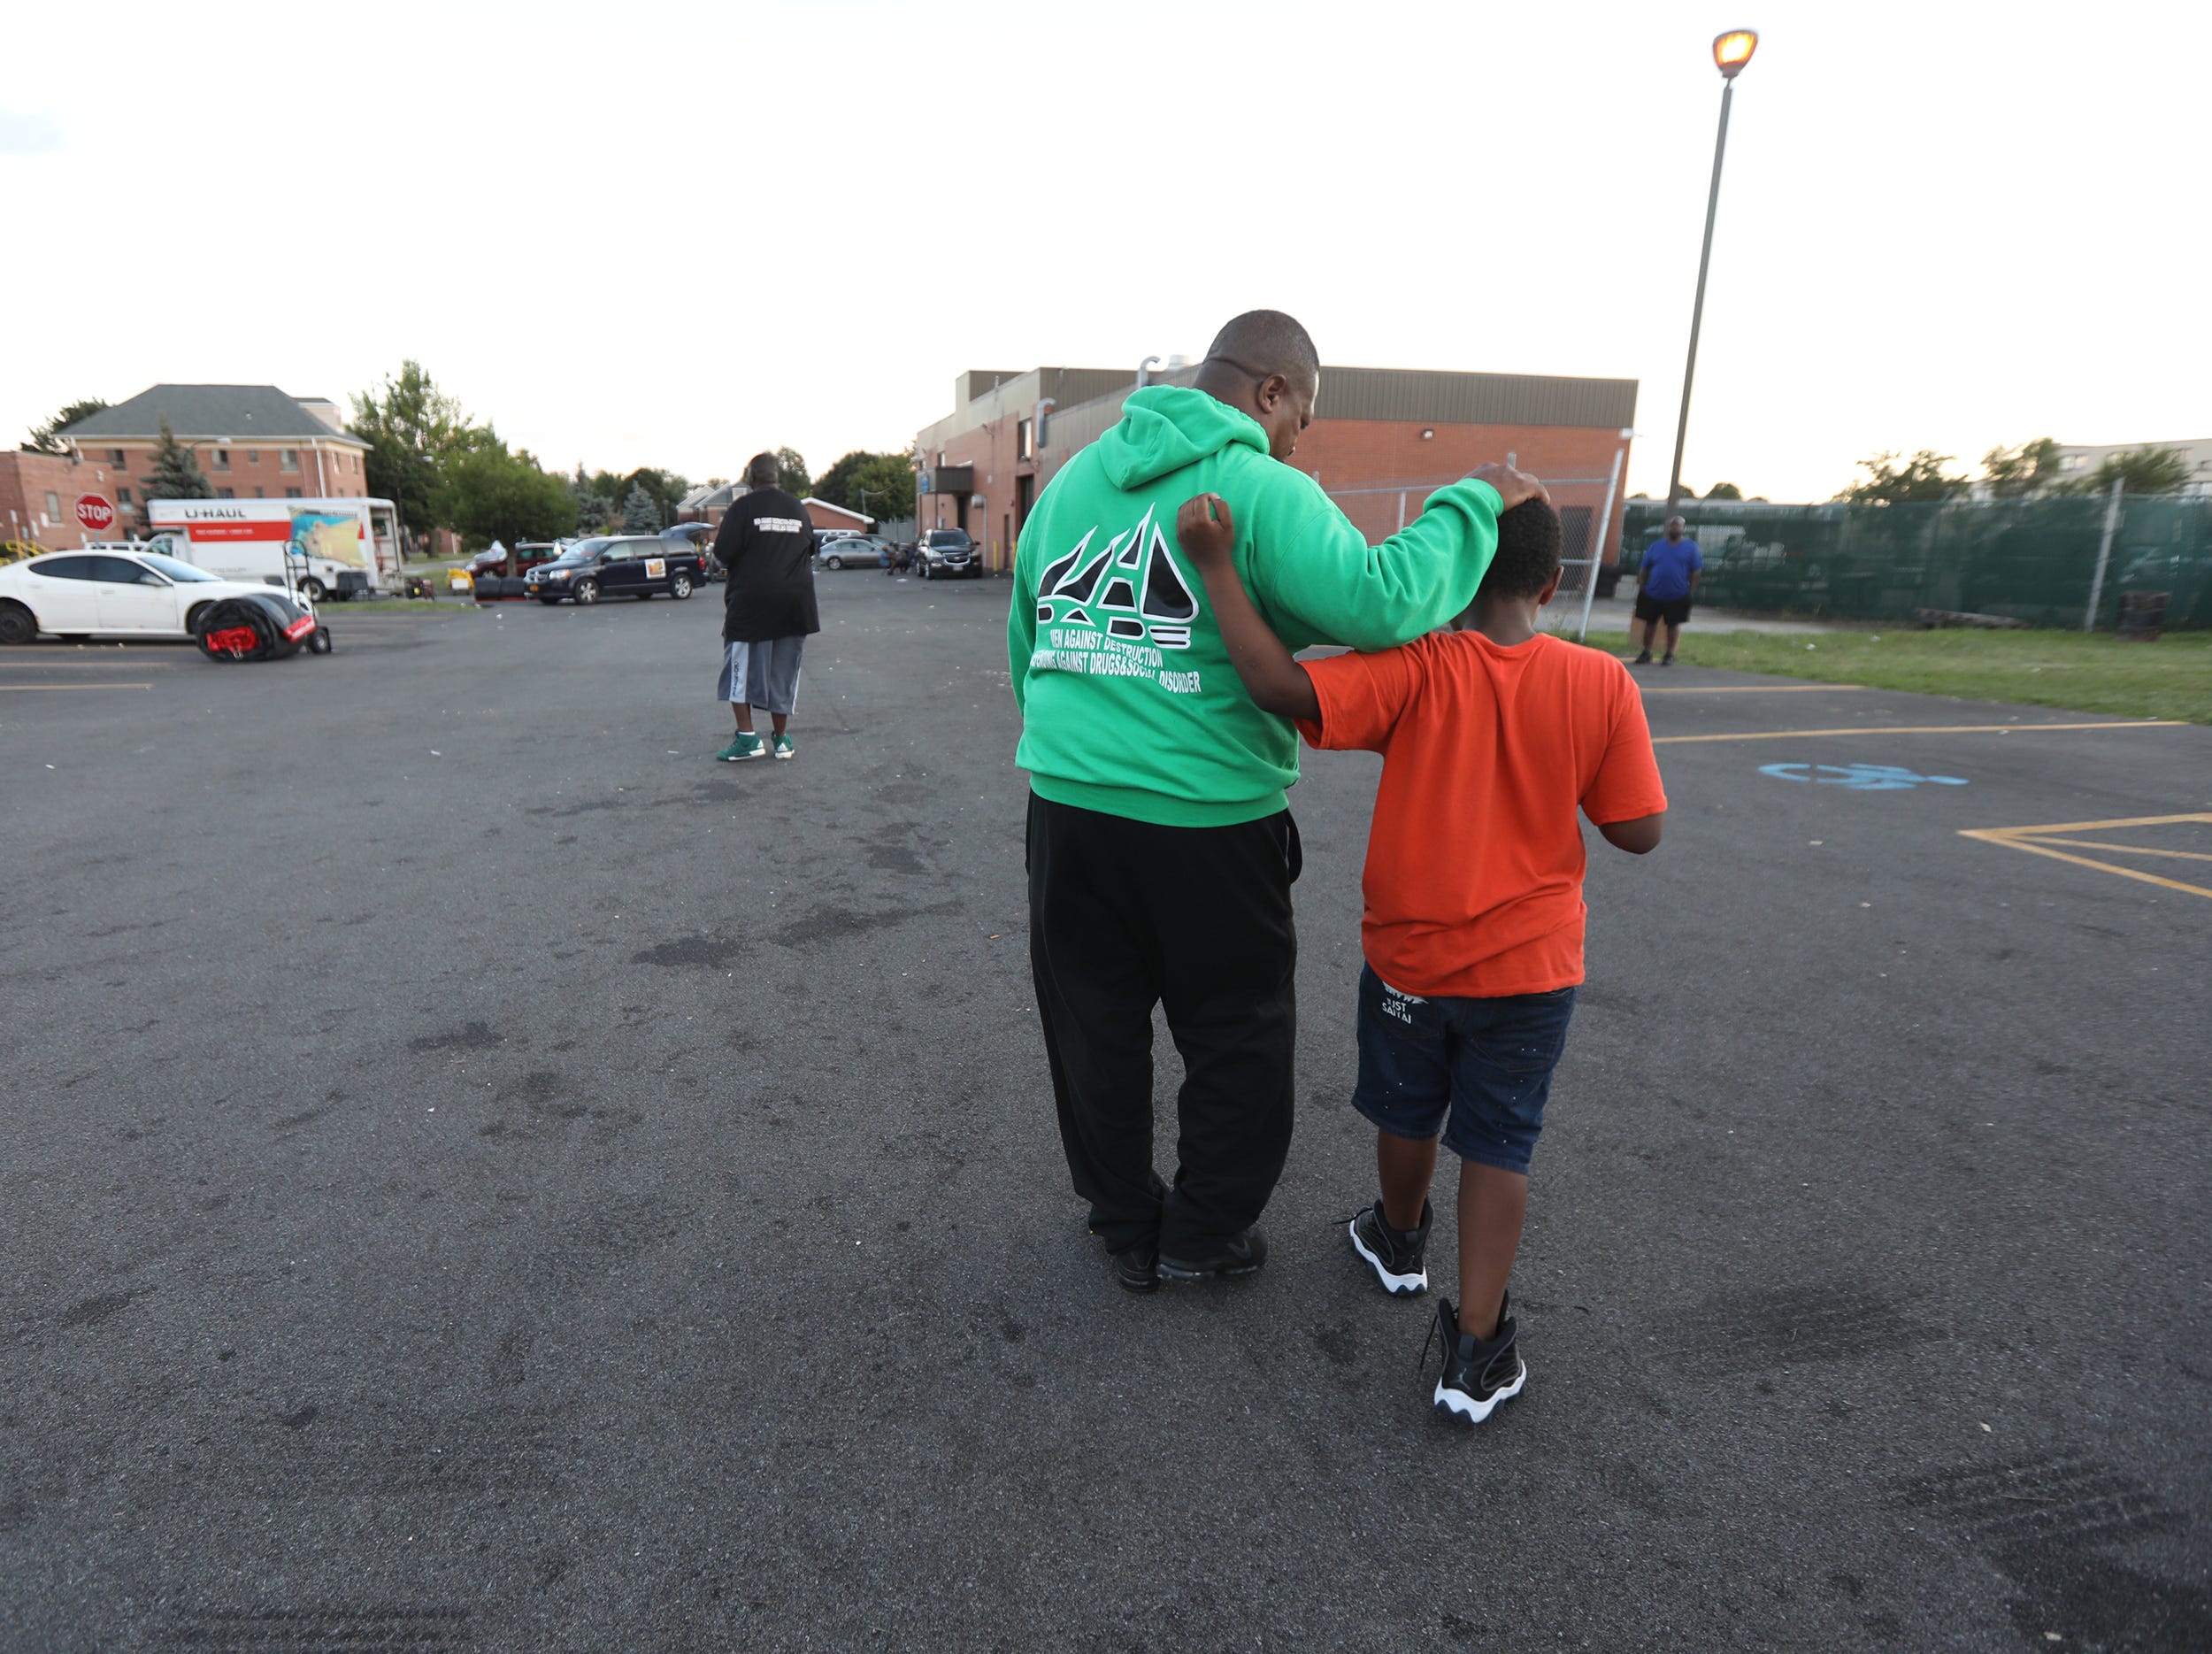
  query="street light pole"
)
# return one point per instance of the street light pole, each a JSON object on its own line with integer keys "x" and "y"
{"x": 1730, "y": 51}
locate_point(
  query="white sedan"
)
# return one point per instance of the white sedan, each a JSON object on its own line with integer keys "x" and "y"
{"x": 112, "y": 592}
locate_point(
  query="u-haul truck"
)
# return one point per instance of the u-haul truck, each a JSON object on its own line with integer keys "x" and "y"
{"x": 336, "y": 547}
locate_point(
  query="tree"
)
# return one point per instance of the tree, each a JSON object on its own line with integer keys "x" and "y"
{"x": 493, "y": 495}
{"x": 877, "y": 485}
{"x": 2145, "y": 470}
{"x": 667, "y": 489}
{"x": 1918, "y": 481}
{"x": 2013, "y": 474}
{"x": 641, "y": 511}
{"x": 593, "y": 510}
{"x": 176, "y": 475}
{"x": 47, "y": 438}
{"x": 414, "y": 431}
{"x": 791, "y": 475}
{"x": 1724, "y": 491}
{"x": 410, "y": 407}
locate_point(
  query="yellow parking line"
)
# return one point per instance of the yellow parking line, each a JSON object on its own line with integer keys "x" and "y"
{"x": 2084, "y": 861}
{"x": 2037, "y": 841}
{"x": 1752, "y": 688}
{"x": 89, "y": 665}
{"x": 23, "y": 689}
{"x": 2129, "y": 850}
{"x": 1915, "y": 729}
{"x": 2045, "y": 829}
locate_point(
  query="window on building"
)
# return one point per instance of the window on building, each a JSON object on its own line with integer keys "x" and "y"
{"x": 291, "y": 494}
{"x": 115, "y": 456}
{"x": 1024, "y": 439}
{"x": 122, "y": 496}
{"x": 53, "y": 507}
{"x": 253, "y": 455}
{"x": 226, "y": 493}
{"x": 290, "y": 460}
{"x": 257, "y": 494}
{"x": 222, "y": 459}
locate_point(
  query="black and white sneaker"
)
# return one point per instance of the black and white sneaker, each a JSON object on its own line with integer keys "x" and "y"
{"x": 1479, "y": 1373}
{"x": 1398, "y": 1257}
{"x": 1238, "y": 1255}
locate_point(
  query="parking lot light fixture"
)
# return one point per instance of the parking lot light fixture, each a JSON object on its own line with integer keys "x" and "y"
{"x": 1732, "y": 50}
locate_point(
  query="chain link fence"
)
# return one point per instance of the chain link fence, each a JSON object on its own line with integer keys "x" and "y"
{"x": 1379, "y": 510}
{"x": 2032, "y": 560}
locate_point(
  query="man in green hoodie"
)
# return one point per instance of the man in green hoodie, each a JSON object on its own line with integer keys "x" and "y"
{"x": 1161, "y": 847}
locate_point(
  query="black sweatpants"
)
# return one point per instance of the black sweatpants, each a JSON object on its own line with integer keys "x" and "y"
{"x": 1124, "y": 915}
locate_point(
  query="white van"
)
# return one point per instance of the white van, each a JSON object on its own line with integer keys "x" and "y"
{"x": 336, "y": 547}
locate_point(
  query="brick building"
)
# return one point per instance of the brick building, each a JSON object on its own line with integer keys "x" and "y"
{"x": 1384, "y": 438}
{"x": 253, "y": 441}
{"x": 39, "y": 495}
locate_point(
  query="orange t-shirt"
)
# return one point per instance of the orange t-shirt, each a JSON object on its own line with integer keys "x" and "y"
{"x": 1474, "y": 863}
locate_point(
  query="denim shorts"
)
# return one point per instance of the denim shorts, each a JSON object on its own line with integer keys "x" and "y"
{"x": 1476, "y": 1070}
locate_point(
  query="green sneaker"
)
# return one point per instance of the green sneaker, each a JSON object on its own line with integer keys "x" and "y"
{"x": 784, "y": 747}
{"x": 744, "y": 747}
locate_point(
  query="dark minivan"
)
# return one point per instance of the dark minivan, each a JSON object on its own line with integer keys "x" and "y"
{"x": 625, "y": 565}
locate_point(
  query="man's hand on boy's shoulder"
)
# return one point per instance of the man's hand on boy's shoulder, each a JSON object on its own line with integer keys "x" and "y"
{"x": 1514, "y": 487}
{"x": 1206, "y": 531}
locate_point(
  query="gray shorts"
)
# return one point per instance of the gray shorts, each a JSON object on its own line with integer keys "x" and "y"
{"x": 768, "y": 671}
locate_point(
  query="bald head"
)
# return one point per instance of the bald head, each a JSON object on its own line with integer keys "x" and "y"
{"x": 761, "y": 471}
{"x": 1264, "y": 364}
{"x": 1263, "y": 341}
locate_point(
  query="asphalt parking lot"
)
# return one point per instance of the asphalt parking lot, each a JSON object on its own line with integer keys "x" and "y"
{"x": 479, "y": 1174}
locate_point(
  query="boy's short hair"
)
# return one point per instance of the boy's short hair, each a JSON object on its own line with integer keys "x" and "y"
{"x": 1528, "y": 551}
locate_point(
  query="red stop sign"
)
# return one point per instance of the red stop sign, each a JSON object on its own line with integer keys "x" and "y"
{"x": 95, "y": 512}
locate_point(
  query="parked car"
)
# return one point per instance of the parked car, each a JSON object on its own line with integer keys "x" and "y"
{"x": 130, "y": 594}
{"x": 851, "y": 550}
{"x": 947, "y": 554}
{"x": 528, "y": 555}
{"x": 621, "y": 565}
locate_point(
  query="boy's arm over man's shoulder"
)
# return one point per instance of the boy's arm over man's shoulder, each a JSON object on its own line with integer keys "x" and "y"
{"x": 1316, "y": 574}
{"x": 1349, "y": 702}
{"x": 1625, "y": 799}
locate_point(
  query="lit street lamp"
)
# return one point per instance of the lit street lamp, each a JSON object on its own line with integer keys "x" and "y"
{"x": 1730, "y": 52}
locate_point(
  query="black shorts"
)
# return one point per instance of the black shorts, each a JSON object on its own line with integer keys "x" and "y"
{"x": 1476, "y": 1070}
{"x": 1673, "y": 610}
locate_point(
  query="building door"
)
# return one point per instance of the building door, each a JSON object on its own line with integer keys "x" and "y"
{"x": 1025, "y": 496}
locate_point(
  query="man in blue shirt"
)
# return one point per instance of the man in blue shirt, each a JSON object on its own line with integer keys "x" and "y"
{"x": 1666, "y": 580}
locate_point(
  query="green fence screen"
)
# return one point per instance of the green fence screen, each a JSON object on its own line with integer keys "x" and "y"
{"x": 2032, "y": 560}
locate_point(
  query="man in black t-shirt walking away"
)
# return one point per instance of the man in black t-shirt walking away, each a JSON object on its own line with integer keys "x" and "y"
{"x": 766, "y": 543}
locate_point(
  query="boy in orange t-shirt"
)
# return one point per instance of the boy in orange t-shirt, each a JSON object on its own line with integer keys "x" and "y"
{"x": 1492, "y": 737}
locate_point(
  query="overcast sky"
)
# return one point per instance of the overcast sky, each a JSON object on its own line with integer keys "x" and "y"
{"x": 672, "y": 234}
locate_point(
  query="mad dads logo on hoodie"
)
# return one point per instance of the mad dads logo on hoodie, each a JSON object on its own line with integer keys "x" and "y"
{"x": 1112, "y": 610}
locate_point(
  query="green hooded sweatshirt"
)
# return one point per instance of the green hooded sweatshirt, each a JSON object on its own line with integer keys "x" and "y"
{"x": 1129, "y": 703}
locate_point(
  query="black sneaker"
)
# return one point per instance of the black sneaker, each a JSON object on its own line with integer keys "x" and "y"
{"x": 1239, "y": 1254}
{"x": 1667, "y": 660}
{"x": 1136, "y": 1268}
{"x": 1397, "y": 1256}
{"x": 1478, "y": 1373}
{"x": 1643, "y": 660}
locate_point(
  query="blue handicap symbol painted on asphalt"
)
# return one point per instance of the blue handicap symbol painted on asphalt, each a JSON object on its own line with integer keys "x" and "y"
{"x": 1865, "y": 777}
